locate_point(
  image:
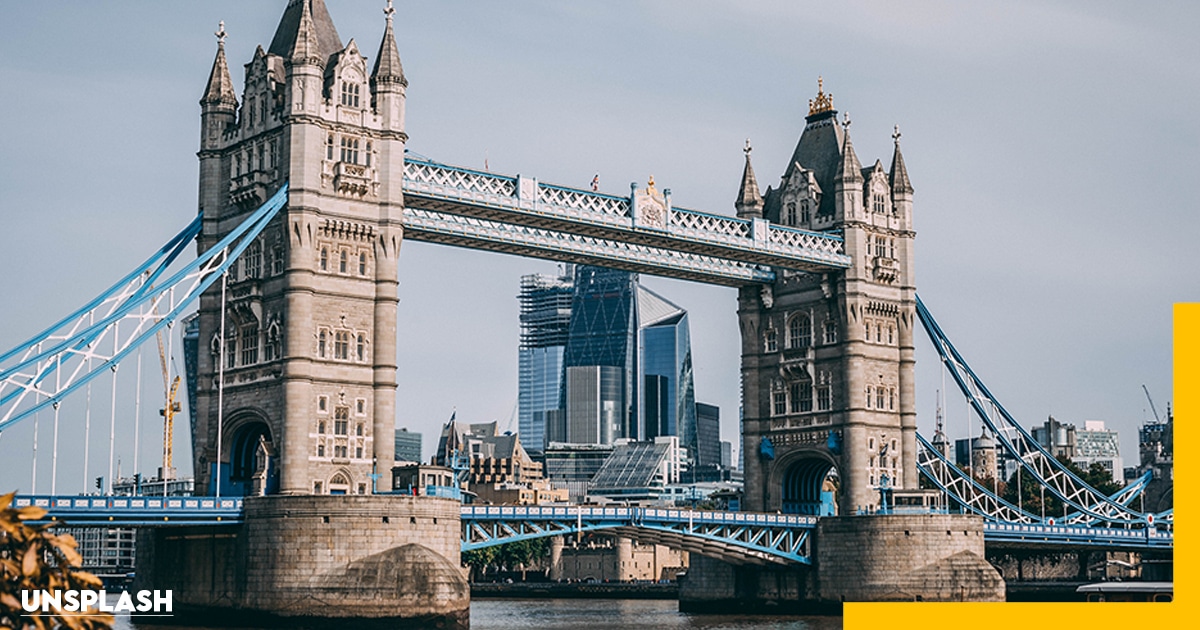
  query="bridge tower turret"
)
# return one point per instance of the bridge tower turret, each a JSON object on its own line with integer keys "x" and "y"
{"x": 827, "y": 359}
{"x": 309, "y": 314}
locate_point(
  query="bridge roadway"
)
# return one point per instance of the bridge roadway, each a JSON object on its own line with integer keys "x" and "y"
{"x": 736, "y": 537}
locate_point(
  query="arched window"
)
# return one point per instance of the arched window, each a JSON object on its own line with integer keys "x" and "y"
{"x": 320, "y": 450}
{"x": 341, "y": 345}
{"x": 770, "y": 343}
{"x": 231, "y": 348}
{"x": 329, "y": 147}
{"x": 321, "y": 427}
{"x": 879, "y": 398}
{"x": 361, "y": 349}
{"x": 789, "y": 213}
{"x": 322, "y": 339}
{"x": 324, "y": 259}
{"x": 342, "y": 259}
{"x": 362, "y": 263}
{"x": 799, "y": 332}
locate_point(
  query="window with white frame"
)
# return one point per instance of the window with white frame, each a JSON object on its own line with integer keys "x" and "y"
{"x": 341, "y": 345}
{"x": 770, "y": 341}
{"x": 824, "y": 398}
{"x": 361, "y": 347}
{"x": 349, "y": 150}
{"x": 252, "y": 263}
{"x": 250, "y": 344}
{"x": 831, "y": 336}
{"x": 351, "y": 93}
{"x": 801, "y": 397}
{"x": 779, "y": 402}
{"x": 322, "y": 342}
{"x": 799, "y": 331}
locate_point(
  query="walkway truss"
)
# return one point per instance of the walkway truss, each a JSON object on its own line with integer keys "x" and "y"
{"x": 1087, "y": 506}
{"x": 734, "y": 537}
{"x": 519, "y": 215}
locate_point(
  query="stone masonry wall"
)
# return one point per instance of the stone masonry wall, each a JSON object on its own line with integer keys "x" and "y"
{"x": 382, "y": 556}
{"x": 925, "y": 557}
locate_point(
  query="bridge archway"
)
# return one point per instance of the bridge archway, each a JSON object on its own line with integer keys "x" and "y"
{"x": 807, "y": 483}
{"x": 249, "y": 463}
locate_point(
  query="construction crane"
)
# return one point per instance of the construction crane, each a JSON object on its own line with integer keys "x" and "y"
{"x": 1156, "y": 418}
{"x": 170, "y": 390}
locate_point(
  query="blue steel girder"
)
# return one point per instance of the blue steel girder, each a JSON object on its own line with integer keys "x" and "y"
{"x": 508, "y": 238}
{"x": 42, "y": 371}
{"x": 737, "y": 537}
{"x": 1039, "y": 535}
{"x": 133, "y": 511}
{"x": 1089, "y": 505}
{"x": 524, "y": 201}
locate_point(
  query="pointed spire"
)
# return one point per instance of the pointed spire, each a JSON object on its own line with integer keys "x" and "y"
{"x": 306, "y": 47}
{"x": 387, "y": 63}
{"x": 749, "y": 200}
{"x": 220, "y": 86}
{"x": 850, "y": 169}
{"x": 899, "y": 174}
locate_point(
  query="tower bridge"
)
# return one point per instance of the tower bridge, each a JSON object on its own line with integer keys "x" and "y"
{"x": 306, "y": 196}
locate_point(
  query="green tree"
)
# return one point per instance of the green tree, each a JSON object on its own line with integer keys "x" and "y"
{"x": 33, "y": 558}
{"x": 1032, "y": 493}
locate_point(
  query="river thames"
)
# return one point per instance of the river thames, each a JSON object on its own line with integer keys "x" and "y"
{"x": 627, "y": 614}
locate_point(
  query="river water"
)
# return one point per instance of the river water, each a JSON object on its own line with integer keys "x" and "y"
{"x": 595, "y": 614}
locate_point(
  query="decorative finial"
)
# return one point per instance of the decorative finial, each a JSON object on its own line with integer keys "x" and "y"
{"x": 748, "y": 148}
{"x": 823, "y": 102}
{"x": 650, "y": 184}
{"x": 846, "y": 119}
{"x": 389, "y": 11}
{"x": 220, "y": 33}
{"x": 896, "y": 135}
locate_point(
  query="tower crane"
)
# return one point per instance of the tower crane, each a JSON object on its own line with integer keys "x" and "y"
{"x": 170, "y": 390}
{"x": 1156, "y": 418}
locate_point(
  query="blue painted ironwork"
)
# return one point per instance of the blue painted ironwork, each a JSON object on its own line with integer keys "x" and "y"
{"x": 135, "y": 511}
{"x": 1087, "y": 503}
{"x": 737, "y": 537}
{"x": 41, "y": 371}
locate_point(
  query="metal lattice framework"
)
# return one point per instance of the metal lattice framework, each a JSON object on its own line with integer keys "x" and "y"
{"x": 736, "y": 537}
{"x": 474, "y": 233}
{"x": 94, "y": 339}
{"x": 1088, "y": 504}
{"x": 523, "y": 216}
{"x": 132, "y": 511}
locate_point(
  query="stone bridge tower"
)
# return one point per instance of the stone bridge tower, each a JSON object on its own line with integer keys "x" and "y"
{"x": 827, "y": 359}
{"x": 308, "y": 361}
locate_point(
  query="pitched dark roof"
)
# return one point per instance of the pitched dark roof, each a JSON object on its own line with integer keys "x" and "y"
{"x": 220, "y": 86}
{"x": 327, "y": 38}
{"x": 820, "y": 150}
{"x": 387, "y": 62}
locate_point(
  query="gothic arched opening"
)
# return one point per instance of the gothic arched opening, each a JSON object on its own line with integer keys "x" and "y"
{"x": 251, "y": 468}
{"x": 810, "y": 487}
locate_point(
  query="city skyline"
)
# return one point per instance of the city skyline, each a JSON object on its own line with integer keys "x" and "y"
{"x": 1047, "y": 191}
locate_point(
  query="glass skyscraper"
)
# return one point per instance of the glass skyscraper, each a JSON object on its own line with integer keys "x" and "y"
{"x": 626, "y": 363}
{"x": 545, "y": 316}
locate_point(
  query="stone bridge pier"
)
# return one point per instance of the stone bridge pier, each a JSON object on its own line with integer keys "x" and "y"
{"x": 344, "y": 561}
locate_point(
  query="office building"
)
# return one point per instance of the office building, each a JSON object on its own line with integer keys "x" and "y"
{"x": 545, "y": 318}
{"x": 408, "y": 445}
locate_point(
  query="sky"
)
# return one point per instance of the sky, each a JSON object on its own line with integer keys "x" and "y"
{"x": 1052, "y": 147}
